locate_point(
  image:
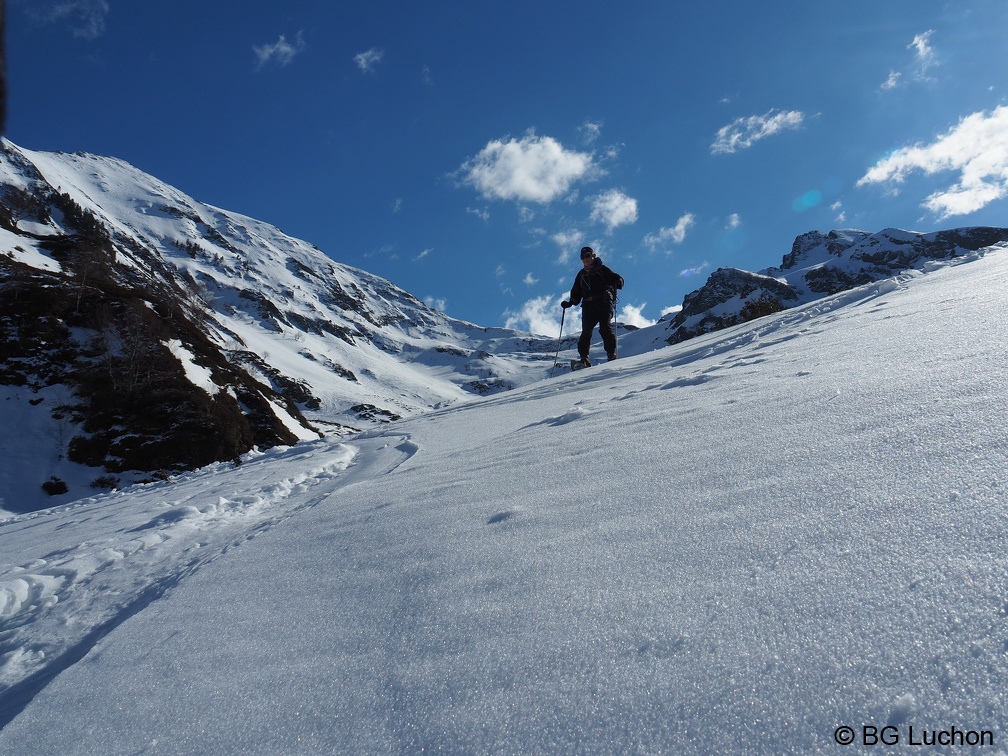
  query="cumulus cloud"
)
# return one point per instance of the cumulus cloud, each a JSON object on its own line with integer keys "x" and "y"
{"x": 539, "y": 315}
{"x": 436, "y": 303}
{"x": 530, "y": 169}
{"x": 369, "y": 59}
{"x": 569, "y": 242}
{"x": 674, "y": 235}
{"x": 631, "y": 315}
{"x": 671, "y": 310}
{"x": 977, "y": 148}
{"x": 743, "y": 133}
{"x": 280, "y": 52}
{"x": 613, "y": 208}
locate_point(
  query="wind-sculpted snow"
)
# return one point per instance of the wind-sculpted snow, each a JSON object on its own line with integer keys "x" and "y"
{"x": 741, "y": 544}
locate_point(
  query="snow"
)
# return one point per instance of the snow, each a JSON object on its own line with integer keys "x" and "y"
{"x": 736, "y": 544}
{"x": 195, "y": 374}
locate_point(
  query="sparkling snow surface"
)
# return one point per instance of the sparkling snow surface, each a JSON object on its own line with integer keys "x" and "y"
{"x": 737, "y": 544}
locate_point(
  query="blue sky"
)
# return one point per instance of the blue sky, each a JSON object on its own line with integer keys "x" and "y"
{"x": 466, "y": 150}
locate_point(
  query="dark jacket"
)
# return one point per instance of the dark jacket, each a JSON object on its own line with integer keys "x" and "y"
{"x": 595, "y": 284}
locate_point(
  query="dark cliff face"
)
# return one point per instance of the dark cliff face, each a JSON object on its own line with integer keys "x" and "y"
{"x": 107, "y": 340}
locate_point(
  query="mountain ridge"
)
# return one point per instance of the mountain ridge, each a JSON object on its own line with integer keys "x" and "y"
{"x": 820, "y": 264}
{"x": 150, "y": 333}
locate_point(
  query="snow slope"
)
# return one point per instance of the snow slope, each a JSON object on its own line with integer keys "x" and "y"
{"x": 738, "y": 544}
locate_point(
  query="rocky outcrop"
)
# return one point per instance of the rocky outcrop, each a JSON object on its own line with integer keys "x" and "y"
{"x": 722, "y": 301}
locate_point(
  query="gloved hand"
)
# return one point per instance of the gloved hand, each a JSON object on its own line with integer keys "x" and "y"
{"x": 565, "y": 304}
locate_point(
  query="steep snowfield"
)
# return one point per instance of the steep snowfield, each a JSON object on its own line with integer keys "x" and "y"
{"x": 738, "y": 544}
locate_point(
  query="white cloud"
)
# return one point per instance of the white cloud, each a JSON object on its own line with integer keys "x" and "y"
{"x": 924, "y": 60}
{"x": 540, "y": 315}
{"x": 423, "y": 254}
{"x": 893, "y": 81}
{"x": 674, "y": 235}
{"x": 734, "y": 221}
{"x": 436, "y": 303}
{"x": 590, "y": 131}
{"x": 530, "y": 169}
{"x": 695, "y": 271}
{"x": 281, "y": 52}
{"x": 367, "y": 60}
{"x": 977, "y": 147}
{"x": 86, "y": 18}
{"x": 630, "y": 315}
{"x": 743, "y": 133}
{"x": 923, "y": 51}
{"x": 613, "y": 208}
{"x": 569, "y": 242}
{"x": 671, "y": 310}
{"x": 530, "y": 280}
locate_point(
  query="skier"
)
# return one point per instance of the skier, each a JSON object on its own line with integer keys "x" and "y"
{"x": 595, "y": 290}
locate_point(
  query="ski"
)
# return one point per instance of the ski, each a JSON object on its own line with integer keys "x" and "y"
{"x": 578, "y": 365}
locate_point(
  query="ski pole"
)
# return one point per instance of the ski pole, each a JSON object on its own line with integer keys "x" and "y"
{"x": 563, "y": 314}
{"x": 615, "y": 330}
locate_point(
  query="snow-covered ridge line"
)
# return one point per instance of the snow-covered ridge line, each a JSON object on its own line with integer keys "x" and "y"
{"x": 819, "y": 265}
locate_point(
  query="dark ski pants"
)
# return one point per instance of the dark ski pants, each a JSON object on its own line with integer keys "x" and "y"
{"x": 597, "y": 314}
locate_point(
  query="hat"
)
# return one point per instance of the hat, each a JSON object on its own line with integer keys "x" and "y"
{"x": 587, "y": 252}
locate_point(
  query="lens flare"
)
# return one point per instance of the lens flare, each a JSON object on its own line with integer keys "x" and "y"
{"x": 807, "y": 201}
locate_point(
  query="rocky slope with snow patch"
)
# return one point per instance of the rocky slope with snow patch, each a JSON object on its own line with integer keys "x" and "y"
{"x": 146, "y": 331}
{"x": 818, "y": 265}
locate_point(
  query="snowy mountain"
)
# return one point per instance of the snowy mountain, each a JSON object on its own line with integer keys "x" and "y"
{"x": 818, "y": 265}
{"x": 145, "y": 331}
{"x": 771, "y": 539}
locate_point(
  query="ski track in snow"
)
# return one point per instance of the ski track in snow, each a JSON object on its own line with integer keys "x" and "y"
{"x": 55, "y": 606}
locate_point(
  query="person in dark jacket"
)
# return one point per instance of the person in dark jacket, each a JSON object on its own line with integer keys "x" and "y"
{"x": 595, "y": 290}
